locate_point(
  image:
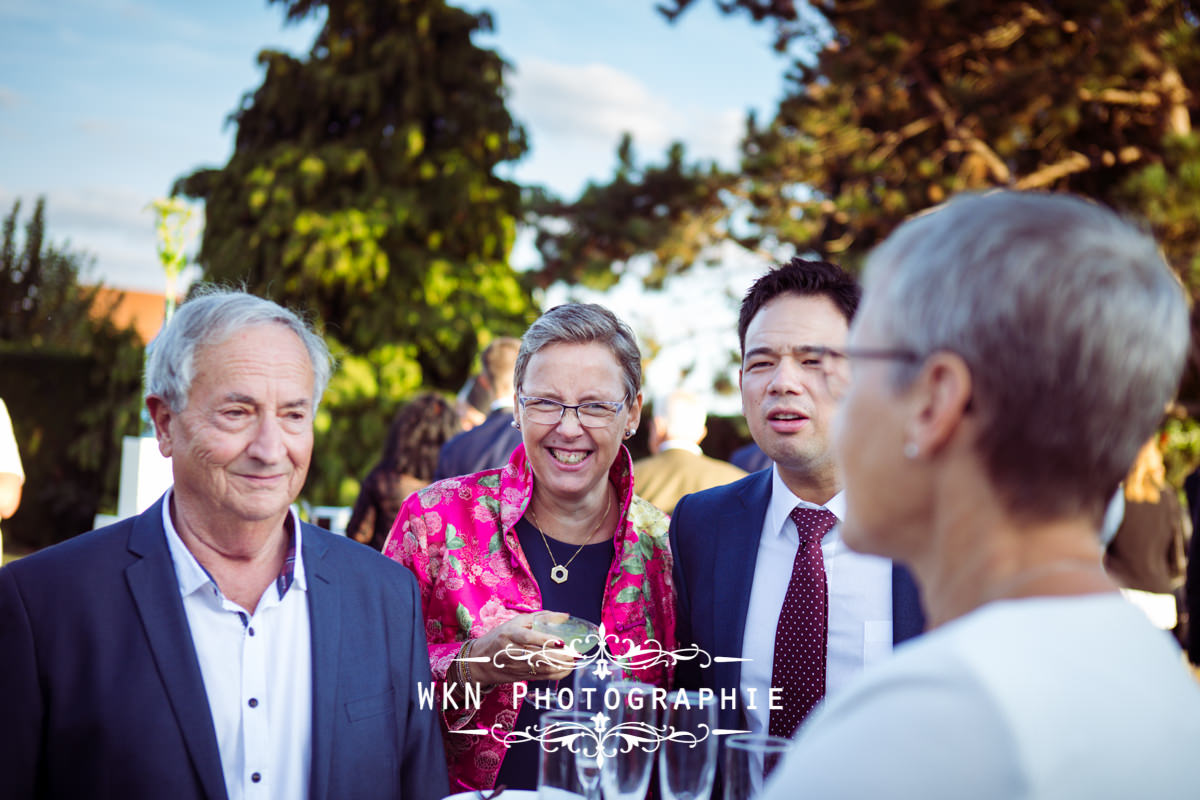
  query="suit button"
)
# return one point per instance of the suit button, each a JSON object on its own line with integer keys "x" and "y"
{"x": 256, "y": 777}
{"x": 253, "y": 702}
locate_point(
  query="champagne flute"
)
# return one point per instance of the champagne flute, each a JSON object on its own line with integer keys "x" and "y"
{"x": 687, "y": 759}
{"x": 588, "y": 687}
{"x": 749, "y": 760}
{"x": 627, "y": 761}
{"x": 570, "y": 744}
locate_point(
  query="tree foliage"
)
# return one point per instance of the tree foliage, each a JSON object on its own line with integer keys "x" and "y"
{"x": 50, "y": 324}
{"x": 363, "y": 188}
{"x": 893, "y": 107}
{"x": 673, "y": 210}
{"x": 363, "y": 184}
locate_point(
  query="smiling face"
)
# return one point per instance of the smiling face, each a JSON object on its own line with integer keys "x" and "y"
{"x": 788, "y": 408}
{"x": 240, "y": 449}
{"x": 569, "y": 461}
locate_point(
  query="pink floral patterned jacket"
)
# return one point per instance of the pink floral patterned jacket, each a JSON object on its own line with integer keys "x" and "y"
{"x": 458, "y": 537}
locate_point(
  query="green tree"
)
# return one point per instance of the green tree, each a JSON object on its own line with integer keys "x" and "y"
{"x": 363, "y": 187}
{"x": 672, "y": 211}
{"x": 71, "y": 379}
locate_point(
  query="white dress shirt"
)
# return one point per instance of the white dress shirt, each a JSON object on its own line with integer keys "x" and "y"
{"x": 860, "y": 603}
{"x": 257, "y": 671}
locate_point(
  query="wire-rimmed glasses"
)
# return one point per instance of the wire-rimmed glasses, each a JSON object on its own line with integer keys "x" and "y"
{"x": 594, "y": 414}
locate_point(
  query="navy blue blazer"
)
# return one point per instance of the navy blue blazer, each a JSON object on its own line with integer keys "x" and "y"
{"x": 486, "y": 446}
{"x": 102, "y": 694}
{"x": 714, "y": 539}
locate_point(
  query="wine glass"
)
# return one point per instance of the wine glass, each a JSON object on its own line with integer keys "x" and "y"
{"x": 687, "y": 759}
{"x": 570, "y": 751}
{"x": 627, "y": 760}
{"x": 749, "y": 760}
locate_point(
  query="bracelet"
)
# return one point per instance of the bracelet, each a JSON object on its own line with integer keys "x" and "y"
{"x": 464, "y": 668}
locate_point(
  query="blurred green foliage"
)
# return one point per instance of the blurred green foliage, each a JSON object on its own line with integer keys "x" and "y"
{"x": 71, "y": 380}
{"x": 363, "y": 189}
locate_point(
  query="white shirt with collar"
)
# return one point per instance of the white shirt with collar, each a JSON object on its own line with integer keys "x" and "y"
{"x": 257, "y": 671}
{"x": 860, "y": 602}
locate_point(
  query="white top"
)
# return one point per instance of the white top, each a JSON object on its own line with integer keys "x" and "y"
{"x": 10, "y": 459}
{"x": 1065, "y": 697}
{"x": 257, "y": 671}
{"x": 860, "y": 602}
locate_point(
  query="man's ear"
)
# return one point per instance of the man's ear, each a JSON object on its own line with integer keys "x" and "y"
{"x": 160, "y": 416}
{"x": 940, "y": 396}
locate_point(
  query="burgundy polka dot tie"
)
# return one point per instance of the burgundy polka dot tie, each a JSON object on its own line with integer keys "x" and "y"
{"x": 800, "y": 636}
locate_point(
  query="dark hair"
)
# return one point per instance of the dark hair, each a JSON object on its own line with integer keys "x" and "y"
{"x": 417, "y": 434}
{"x": 802, "y": 277}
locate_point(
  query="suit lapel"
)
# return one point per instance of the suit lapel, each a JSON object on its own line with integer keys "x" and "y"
{"x": 324, "y": 600}
{"x": 155, "y": 591}
{"x": 735, "y": 552}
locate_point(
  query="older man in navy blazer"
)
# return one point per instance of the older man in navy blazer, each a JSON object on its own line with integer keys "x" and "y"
{"x": 215, "y": 646}
{"x": 737, "y": 568}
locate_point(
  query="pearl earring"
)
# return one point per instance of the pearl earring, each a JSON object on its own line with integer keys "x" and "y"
{"x": 515, "y": 424}
{"x": 911, "y": 450}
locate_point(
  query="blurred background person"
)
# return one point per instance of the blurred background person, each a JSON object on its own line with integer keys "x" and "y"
{"x": 410, "y": 454}
{"x": 1012, "y": 353}
{"x": 750, "y": 458}
{"x": 678, "y": 466}
{"x": 488, "y": 444}
{"x": 558, "y": 528}
{"x": 1148, "y": 555}
{"x": 12, "y": 475}
{"x": 473, "y": 402}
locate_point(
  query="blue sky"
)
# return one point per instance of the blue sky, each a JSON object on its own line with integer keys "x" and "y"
{"x": 103, "y": 103}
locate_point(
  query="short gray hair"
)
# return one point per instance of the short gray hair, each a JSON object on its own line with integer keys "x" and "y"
{"x": 1073, "y": 327}
{"x": 583, "y": 323}
{"x": 210, "y": 317}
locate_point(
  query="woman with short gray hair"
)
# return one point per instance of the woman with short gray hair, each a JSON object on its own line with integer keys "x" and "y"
{"x": 504, "y": 555}
{"x": 1012, "y": 353}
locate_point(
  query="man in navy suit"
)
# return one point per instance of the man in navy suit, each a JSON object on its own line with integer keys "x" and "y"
{"x": 735, "y": 545}
{"x": 215, "y": 646}
{"x": 490, "y": 443}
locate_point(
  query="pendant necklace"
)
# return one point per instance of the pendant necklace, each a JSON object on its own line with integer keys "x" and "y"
{"x": 558, "y": 572}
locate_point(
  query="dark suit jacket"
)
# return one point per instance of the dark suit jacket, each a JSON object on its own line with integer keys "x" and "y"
{"x": 714, "y": 538}
{"x": 486, "y": 446}
{"x": 665, "y": 477}
{"x": 750, "y": 458}
{"x": 102, "y": 696}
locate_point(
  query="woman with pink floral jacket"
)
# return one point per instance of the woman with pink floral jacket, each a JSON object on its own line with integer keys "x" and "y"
{"x": 558, "y": 529}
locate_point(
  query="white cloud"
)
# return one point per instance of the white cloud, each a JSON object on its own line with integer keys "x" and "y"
{"x": 8, "y": 97}
{"x": 576, "y": 113}
{"x": 595, "y": 102}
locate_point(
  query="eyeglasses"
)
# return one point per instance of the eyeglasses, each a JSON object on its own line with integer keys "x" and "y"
{"x": 596, "y": 414}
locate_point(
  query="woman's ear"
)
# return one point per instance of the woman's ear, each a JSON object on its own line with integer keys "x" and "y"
{"x": 941, "y": 396}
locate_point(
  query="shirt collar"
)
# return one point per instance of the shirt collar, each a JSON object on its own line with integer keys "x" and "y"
{"x": 783, "y": 501}
{"x": 192, "y": 576}
{"x": 680, "y": 444}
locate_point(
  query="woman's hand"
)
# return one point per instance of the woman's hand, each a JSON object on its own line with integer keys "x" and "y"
{"x": 518, "y": 636}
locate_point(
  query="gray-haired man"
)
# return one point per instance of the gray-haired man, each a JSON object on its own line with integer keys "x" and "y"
{"x": 215, "y": 646}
